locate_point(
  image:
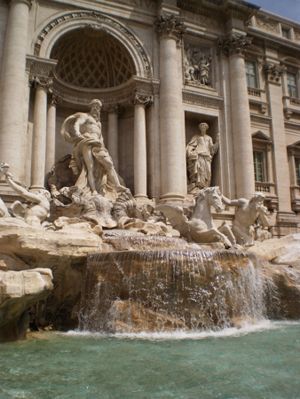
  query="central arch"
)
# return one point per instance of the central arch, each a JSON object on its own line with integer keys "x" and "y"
{"x": 64, "y": 23}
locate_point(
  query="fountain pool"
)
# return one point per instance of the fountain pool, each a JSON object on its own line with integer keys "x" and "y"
{"x": 257, "y": 361}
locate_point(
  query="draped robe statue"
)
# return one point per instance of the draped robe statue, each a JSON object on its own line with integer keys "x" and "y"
{"x": 199, "y": 153}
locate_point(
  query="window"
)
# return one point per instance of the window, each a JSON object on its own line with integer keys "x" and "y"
{"x": 285, "y": 32}
{"x": 292, "y": 84}
{"x": 251, "y": 74}
{"x": 297, "y": 166}
{"x": 259, "y": 166}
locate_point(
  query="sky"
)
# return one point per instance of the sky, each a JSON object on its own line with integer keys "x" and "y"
{"x": 286, "y": 8}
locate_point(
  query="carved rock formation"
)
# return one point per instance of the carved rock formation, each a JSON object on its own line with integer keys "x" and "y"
{"x": 20, "y": 290}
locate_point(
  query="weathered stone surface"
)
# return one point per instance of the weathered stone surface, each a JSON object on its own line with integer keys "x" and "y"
{"x": 19, "y": 290}
{"x": 283, "y": 267}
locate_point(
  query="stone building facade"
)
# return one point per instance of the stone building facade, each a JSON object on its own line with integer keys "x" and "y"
{"x": 160, "y": 68}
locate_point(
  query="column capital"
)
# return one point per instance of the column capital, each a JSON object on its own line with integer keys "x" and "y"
{"x": 54, "y": 98}
{"x": 112, "y": 109}
{"x": 40, "y": 71}
{"x": 27, "y": 2}
{"x": 273, "y": 72}
{"x": 41, "y": 81}
{"x": 142, "y": 99}
{"x": 170, "y": 25}
{"x": 235, "y": 43}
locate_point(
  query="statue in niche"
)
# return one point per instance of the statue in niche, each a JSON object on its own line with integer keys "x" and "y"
{"x": 196, "y": 66}
{"x": 199, "y": 153}
{"x": 91, "y": 162}
{"x": 37, "y": 207}
{"x": 247, "y": 214}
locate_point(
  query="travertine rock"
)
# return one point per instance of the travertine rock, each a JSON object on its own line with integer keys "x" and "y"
{"x": 19, "y": 290}
{"x": 283, "y": 266}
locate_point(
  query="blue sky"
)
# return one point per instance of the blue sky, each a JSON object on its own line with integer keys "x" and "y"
{"x": 286, "y": 8}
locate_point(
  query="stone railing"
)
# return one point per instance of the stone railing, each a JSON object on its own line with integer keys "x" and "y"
{"x": 265, "y": 187}
{"x": 294, "y": 101}
{"x": 254, "y": 92}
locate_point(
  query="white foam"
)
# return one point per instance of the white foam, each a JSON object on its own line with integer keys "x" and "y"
{"x": 244, "y": 329}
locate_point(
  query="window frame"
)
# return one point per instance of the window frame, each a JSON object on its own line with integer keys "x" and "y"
{"x": 295, "y": 75}
{"x": 255, "y": 75}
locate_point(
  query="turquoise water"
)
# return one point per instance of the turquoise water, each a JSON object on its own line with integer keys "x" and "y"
{"x": 253, "y": 362}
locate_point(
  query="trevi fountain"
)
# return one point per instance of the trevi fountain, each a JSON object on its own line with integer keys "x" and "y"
{"x": 127, "y": 298}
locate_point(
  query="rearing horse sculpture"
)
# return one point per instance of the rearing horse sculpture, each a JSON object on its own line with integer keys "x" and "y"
{"x": 200, "y": 228}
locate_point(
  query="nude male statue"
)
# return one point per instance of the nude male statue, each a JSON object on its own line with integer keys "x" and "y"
{"x": 91, "y": 161}
{"x": 37, "y": 209}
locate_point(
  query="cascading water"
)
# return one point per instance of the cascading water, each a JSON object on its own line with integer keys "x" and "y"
{"x": 164, "y": 290}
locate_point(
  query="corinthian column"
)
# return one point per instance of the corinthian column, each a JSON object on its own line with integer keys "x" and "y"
{"x": 234, "y": 47}
{"x": 139, "y": 146}
{"x": 112, "y": 137}
{"x": 273, "y": 74}
{"x": 12, "y": 88}
{"x": 39, "y": 134}
{"x": 173, "y": 161}
{"x": 51, "y": 132}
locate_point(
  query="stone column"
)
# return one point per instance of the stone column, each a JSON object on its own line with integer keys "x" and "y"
{"x": 273, "y": 74}
{"x": 140, "y": 146}
{"x": 173, "y": 159}
{"x": 51, "y": 133}
{"x": 234, "y": 46}
{"x": 113, "y": 136}
{"x": 12, "y": 89}
{"x": 39, "y": 134}
{"x": 153, "y": 143}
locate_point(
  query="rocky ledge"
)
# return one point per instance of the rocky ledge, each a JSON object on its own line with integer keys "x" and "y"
{"x": 19, "y": 291}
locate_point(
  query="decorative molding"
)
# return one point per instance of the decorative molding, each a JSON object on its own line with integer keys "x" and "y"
{"x": 273, "y": 72}
{"x": 203, "y": 100}
{"x": 142, "y": 99}
{"x": 235, "y": 43}
{"x": 261, "y": 119}
{"x": 101, "y": 19}
{"x": 170, "y": 25}
{"x": 40, "y": 71}
{"x": 267, "y": 24}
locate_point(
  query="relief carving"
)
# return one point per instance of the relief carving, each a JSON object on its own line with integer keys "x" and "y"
{"x": 197, "y": 66}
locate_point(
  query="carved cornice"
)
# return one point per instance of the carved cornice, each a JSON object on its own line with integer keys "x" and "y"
{"x": 170, "y": 25}
{"x": 235, "y": 43}
{"x": 273, "y": 72}
{"x": 193, "y": 98}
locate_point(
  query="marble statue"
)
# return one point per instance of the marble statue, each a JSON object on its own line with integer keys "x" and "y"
{"x": 200, "y": 228}
{"x": 90, "y": 161}
{"x": 37, "y": 207}
{"x": 140, "y": 218}
{"x": 204, "y": 67}
{"x": 199, "y": 152}
{"x": 247, "y": 213}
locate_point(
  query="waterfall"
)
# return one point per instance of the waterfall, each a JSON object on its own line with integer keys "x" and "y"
{"x": 165, "y": 290}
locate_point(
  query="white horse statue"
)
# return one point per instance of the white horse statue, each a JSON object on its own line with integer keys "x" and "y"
{"x": 200, "y": 228}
